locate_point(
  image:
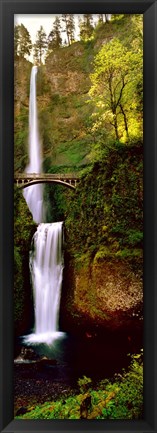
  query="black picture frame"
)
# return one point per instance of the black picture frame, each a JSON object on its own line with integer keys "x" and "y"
{"x": 149, "y": 10}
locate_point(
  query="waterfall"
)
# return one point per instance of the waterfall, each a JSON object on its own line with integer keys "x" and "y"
{"x": 46, "y": 265}
{"x": 34, "y": 194}
{"x": 46, "y": 259}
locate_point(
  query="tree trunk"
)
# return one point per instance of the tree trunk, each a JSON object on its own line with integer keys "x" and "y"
{"x": 106, "y": 18}
{"x": 40, "y": 56}
{"x": 125, "y": 120}
{"x": 116, "y": 126}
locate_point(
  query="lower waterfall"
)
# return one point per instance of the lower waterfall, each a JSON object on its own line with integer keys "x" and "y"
{"x": 46, "y": 268}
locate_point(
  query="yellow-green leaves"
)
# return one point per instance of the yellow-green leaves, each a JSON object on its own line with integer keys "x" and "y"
{"x": 117, "y": 88}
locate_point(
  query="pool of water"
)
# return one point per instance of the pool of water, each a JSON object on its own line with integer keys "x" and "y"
{"x": 96, "y": 356}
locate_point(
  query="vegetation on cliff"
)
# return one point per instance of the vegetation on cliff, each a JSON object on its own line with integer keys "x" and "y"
{"x": 24, "y": 228}
{"x": 107, "y": 205}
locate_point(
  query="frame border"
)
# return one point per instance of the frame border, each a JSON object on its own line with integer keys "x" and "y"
{"x": 7, "y": 10}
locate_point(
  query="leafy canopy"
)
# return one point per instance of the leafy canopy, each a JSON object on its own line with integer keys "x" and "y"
{"x": 117, "y": 74}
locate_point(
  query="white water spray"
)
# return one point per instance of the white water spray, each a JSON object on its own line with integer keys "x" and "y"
{"x": 34, "y": 193}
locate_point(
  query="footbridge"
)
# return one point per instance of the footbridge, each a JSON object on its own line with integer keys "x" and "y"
{"x": 23, "y": 180}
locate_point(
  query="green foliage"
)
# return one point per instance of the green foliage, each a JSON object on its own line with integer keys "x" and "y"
{"x": 121, "y": 398}
{"x": 56, "y": 198}
{"x": 75, "y": 151}
{"x": 117, "y": 73}
{"x": 24, "y": 228}
{"x": 84, "y": 383}
{"x": 40, "y": 45}
{"x": 69, "y": 27}
{"x": 127, "y": 253}
{"x": 107, "y": 205}
{"x": 102, "y": 253}
{"x": 54, "y": 37}
{"x": 22, "y": 41}
{"x": 43, "y": 86}
{"x": 21, "y": 140}
{"x": 56, "y": 99}
{"x": 16, "y": 40}
{"x": 128, "y": 401}
{"x": 86, "y": 27}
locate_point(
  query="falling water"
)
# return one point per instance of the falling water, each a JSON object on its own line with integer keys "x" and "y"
{"x": 46, "y": 260}
{"x": 34, "y": 194}
{"x": 46, "y": 264}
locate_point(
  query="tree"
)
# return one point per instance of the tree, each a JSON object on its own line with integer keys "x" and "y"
{"x": 16, "y": 40}
{"x": 40, "y": 44}
{"x": 117, "y": 72}
{"x": 100, "y": 18}
{"x": 36, "y": 54}
{"x": 107, "y": 17}
{"x": 71, "y": 27}
{"x": 68, "y": 20}
{"x": 86, "y": 27}
{"x": 54, "y": 37}
{"x": 22, "y": 41}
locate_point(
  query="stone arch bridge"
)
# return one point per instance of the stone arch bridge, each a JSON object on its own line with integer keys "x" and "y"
{"x": 23, "y": 180}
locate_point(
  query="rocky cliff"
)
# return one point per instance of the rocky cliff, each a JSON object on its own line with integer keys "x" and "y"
{"x": 107, "y": 295}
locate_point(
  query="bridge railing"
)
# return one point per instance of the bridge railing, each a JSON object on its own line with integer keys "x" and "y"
{"x": 45, "y": 176}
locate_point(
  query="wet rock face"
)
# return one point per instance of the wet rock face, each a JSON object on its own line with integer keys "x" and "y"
{"x": 68, "y": 82}
{"x": 65, "y": 71}
{"x": 109, "y": 293}
{"x": 114, "y": 285}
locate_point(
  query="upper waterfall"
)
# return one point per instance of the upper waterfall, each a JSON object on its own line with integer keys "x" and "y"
{"x": 34, "y": 194}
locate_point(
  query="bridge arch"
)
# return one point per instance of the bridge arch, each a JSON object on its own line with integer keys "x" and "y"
{"x": 23, "y": 185}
